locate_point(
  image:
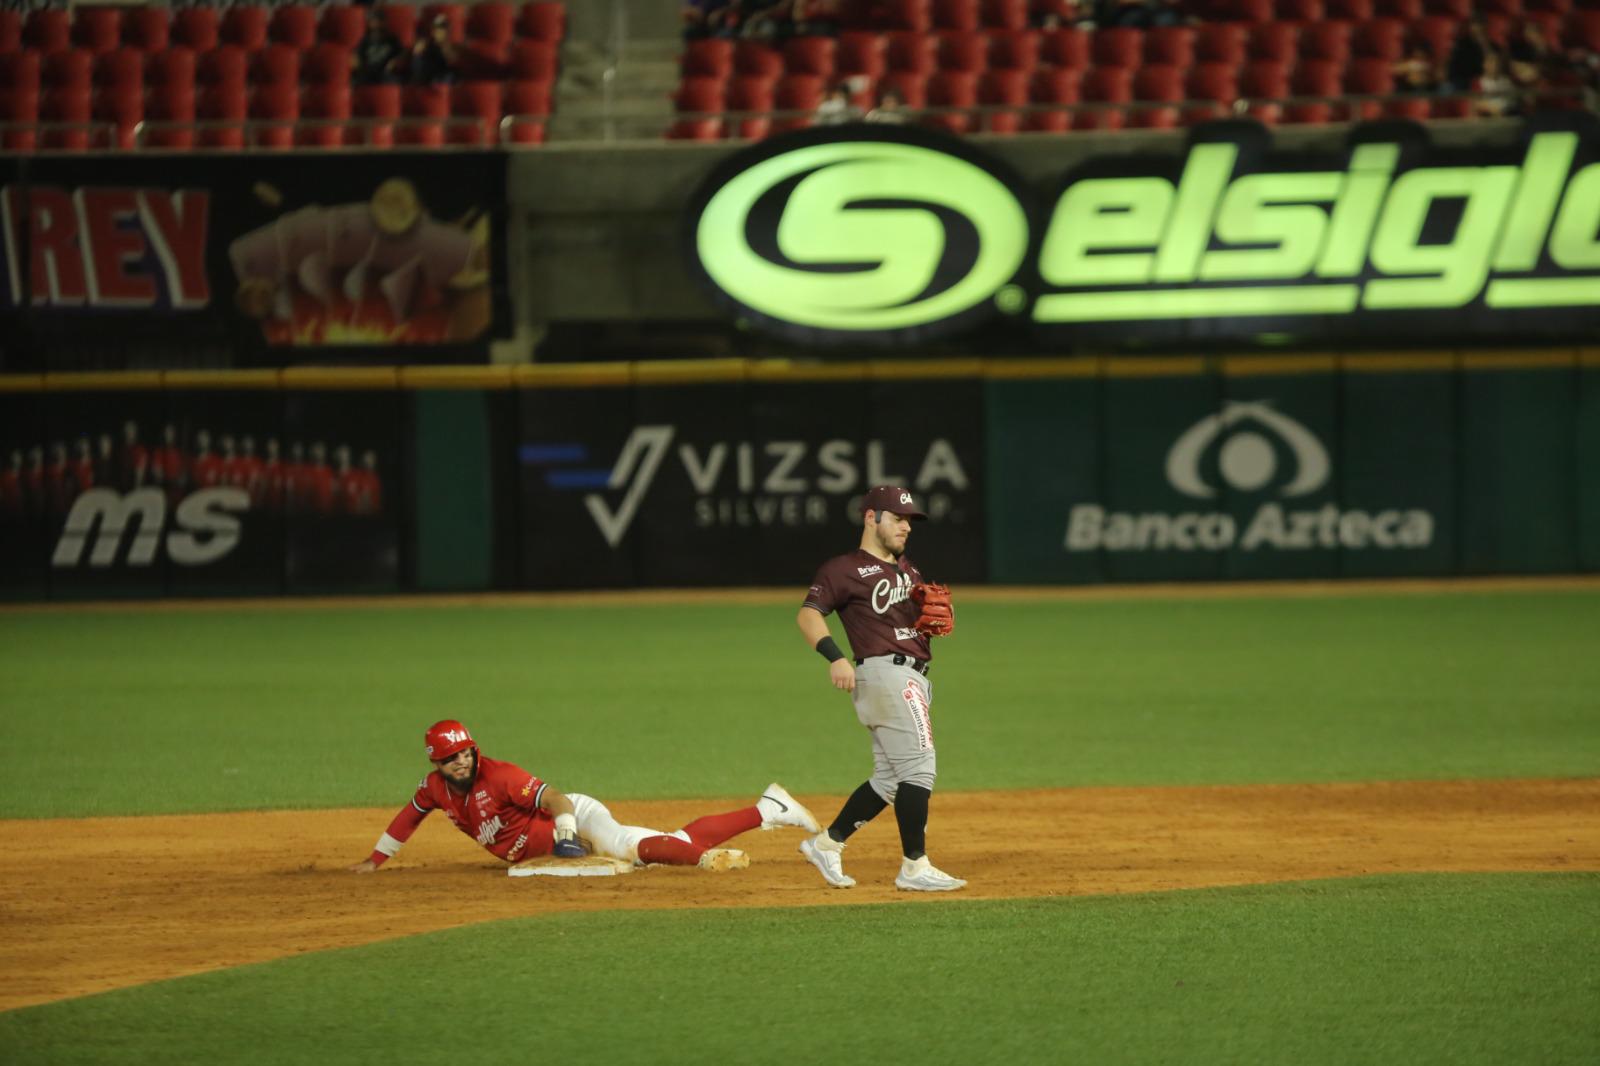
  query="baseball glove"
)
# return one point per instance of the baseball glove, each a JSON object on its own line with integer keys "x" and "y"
{"x": 938, "y": 617}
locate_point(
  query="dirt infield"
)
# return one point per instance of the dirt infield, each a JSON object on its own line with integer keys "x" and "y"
{"x": 98, "y": 904}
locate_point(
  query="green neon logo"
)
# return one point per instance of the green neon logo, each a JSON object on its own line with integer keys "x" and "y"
{"x": 876, "y": 234}
{"x": 1329, "y": 242}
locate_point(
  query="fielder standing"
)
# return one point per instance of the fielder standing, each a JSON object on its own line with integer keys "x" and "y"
{"x": 889, "y": 613}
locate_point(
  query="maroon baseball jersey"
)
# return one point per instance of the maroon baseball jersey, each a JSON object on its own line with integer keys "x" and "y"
{"x": 874, "y": 602}
{"x": 501, "y": 812}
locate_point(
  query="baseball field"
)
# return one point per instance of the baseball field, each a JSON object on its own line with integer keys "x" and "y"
{"x": 1335, "y": 824}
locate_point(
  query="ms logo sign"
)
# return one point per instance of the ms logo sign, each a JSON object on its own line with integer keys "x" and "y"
{"x": 1250, "y": 453}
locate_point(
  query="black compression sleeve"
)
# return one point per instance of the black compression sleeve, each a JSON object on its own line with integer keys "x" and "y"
{"x": 829, "y": 650}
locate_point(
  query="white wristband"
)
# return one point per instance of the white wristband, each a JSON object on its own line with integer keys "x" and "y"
{"x": 566, "y": 826}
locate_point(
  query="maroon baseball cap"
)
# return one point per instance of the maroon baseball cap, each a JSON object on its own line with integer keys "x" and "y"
{"x": 891, "y": 498}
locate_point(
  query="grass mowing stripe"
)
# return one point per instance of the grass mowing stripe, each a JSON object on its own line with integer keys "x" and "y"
{"x": 245, "y": 709}
{"x": 1492, "y": 969}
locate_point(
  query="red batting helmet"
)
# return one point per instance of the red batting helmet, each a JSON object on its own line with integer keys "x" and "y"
{"x": 445, "y": 738}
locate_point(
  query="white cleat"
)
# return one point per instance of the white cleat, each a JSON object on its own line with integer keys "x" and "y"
{"x": 721, "y": 860}
{"x": 777, "y": 808}
{"x": 920, "y": 875}
{"x": 825, "y": 853}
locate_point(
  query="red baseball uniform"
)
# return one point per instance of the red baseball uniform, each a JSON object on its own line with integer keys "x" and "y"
{"x": 501, "y": 812}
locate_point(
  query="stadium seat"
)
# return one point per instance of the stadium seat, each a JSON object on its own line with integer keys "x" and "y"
{"x": 1276, "y": 42}
{"x": 1554, "y": 7}
{"x": 1583, "y": 30}
{"x": 10, "y": 31}
{"x": 1438, "y": 34}
{"x": 526, "y": 98}
{"x": 1005, "y": 14}
{"x": 294, "y": 25}
{"x": 484, "y": 60}
{"x": 69, "y": 68}
{"x": 1404, "y": 10}
{"x": 1510, "y": 9}
{"x": 1065, "y": 48}
{"x": 1460, "y": 10}
{"x": 711, "y": 57}
{"x": 916, "y": 53}
{"x": 22, "y": 108}
{"x": 1314, "y": 77}
{"x": 1368, "y": 76}
{"x": 20, "y": 72}
{"x": 1104, "y": 85}
{"x": 956, "y": 15}
{"x": 1052, "y": 85}
{"x": 48, "y": 30}
{"x": 911, "y": 87}
{"x": 810, "y": 55}
{"x": 66, "y": 105}
{"x": 245, "y": 26}
{"x": 1349, "y": 10}
{"x": 423, "y": 102}
{"x": 1326, "y": 41}
{"x": 1250, "y": 10}
{"x": 1117, "y": 47}
{"x": 276, "y": 64}
{"x": 169, "y": 110}
{"x": 342, "y": 24}
{"x": 491, "y": 20}
{"x": 400, "y": 20}
{"x": 279, "y": 105}
{"x": 953, "y": 88}
{"x": 121, "y": 70}
{"x": 967, "y": 53}
{"x": 1214, "y": 82}
{"x": 323, "y": 111}
{"x": 1156, "y": 83}
{"x": 1170, "y": 46}
{"x": 757, "y": 59}
{"x": 1003, "y": 88}
{"x": 97, "y": 29}
{"x": 1383, "y": 38}
{"x": 544, "y": 21}
{"x": 531, "y": 60}
{"x": 1013, "y": 50}
{"x": 227, "y": 107}
{"x": 1221, "y": 42}
{"x": 915, "y": 16}
{"x": 124, "y": 110}
{"x": 1299, "y": 10}
{"x": 861, "y": 53}
{"x": 225, "y": 66}
{"x": 454, "y": 14}
{"x": 378, "y": 106}
{"x": 479, "y": 100}
{"x": 698, "y": 96}
{"x": 326, "y": 64}
{"x": 196, "y": 27}
{"x": 1261, "y": 83}
{"x": 800, "y": 93}
{"x": 148, "y": 29}
{"x": 753, "y": 95}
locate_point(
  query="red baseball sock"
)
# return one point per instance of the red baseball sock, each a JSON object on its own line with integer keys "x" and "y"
{"x": 713, "y": 829}
{"x": 670, "y": 851}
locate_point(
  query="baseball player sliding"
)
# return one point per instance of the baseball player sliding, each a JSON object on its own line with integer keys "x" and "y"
{"x": 889, "y": 613}
{"x": 514, "y": 815}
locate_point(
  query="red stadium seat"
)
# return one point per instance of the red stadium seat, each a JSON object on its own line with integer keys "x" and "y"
{"x": 221, "y": 112}
{"x": 810, "y": 55}
{"x": 278, "y": 106}
{"x": 479, "y": 100}
{"x": 20, "y": 72}
{"x": 68, "y": 69}
{"x": 911, "y": 87}
{"x": 1013, "y": 50}
{"x": 97, "y": 29}
{"x": 953, "y": 88}
{"x": 756, "y": 59}
{"x": 1554, "y": 7}
{"x": 1368, "y": 76}
{"x": 531, "y": 61}
{"x": 454, "y": 14}
{"x": 245, "y": 25}
{"x": 1052, "y": 85}
{"x": 1065, "y": 48}
{"x": 294, "y": 25}
{"x": 483, "y": 60}
{"x": 1221, "y": 42}
{"x": 124, "y": 110}
{"x": 121, "y": 70}
{"x": 1299, "y": 10}
{"x": 964, "y": 52}
{"x": 67, "y": 106}
{"x": 708, "y": 58}
{"x": 754, "y": 96}
{"x": 10, "y": 32}
{"x": 1214, "y": 82}
{"x": 956, "y": 15}
{"x": 1005, "y": 14}
{"x": 326, "y": 64}
{"x": 342, "y": 24}
{"x": 1327, "y": 40}
{"x": 525, "y": 99}
{"x": 1438, "y": 34}
{"x": 378, "y": 106}
{"x": 1117, "y": 47}
{"x": 1404, "y": 10}
{"x": 1170, "y": 46}
{"x": 861, "y": 53}
{"x": 914, "y": 52}
{"x": 1460, "y": 10}
{"x": 1156, "y": 83}
{"x": 491, "y": 20}
{"x": 400, "y": 20}
{"x": 546, "y": 21}
{"x": 148, "y": 29}
{"x": 1315, "y": 77}
{"x": 699, "y": 96}
{"x": 1379, "y": 39}
{"x": 48, "y": 30}
{"x": 1003, "y": 88}
{"x": 1510, "y": 9}
{"x": 797, "y": 92}
{"x": 1250, "y": 10}
{"x": 324, "y": 110}
{"x": 1262, "y": 83}
{"x": 1583, "y": 30}
{"x": 225, "y": 66}
{"x": 1349, "y": 10}
{"x": 196, "y": 27}
{"x": 913, "y": 15}
{"x": 276, "y": 64}
{"x": 169, "y": 110}
{"x": 1104, "y": 85}
{"x": 19, "y": 106}
{"x": 1277, "y": 42}
{"x": 423, "y": 102}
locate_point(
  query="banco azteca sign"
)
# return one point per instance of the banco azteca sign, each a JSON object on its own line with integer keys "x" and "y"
{"x": 894, "y": 236}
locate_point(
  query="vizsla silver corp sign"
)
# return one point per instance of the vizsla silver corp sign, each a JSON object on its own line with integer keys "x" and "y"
{"x": 897, "y": 236}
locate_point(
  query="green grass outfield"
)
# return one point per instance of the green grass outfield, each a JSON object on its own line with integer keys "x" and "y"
{"x": 263, "y": 708}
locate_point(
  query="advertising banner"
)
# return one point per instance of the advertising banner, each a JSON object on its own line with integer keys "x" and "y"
{"x": 741, "y": 483}
{"x": 878, "y": 235}
{"x": 255, "y": 258}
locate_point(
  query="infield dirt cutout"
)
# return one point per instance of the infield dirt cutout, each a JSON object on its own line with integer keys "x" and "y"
{"x": 103, "y": 903}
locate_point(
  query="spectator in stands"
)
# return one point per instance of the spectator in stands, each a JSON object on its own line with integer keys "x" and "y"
{"x": 1417, "y": 70}
{"x": 763, "y": 20}
{"x": 1464, "y": 66}
{"x": 890, "y": 110}
{"x": 1499, "y": 92}
{"x": 1056, "y": 14}
{"x": 375, "y": 60}
{"x": 1140, "y": 14}
{"x": 434, "y": 57}
{"x": 836, "y": 108}
{"x": 704, "y": 18}
{"x": 1530, "y": 56}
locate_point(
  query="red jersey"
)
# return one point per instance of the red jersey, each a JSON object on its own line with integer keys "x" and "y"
{"x": 207, "y": 470}
{"x": 501, "y": 812}
{"x": 874, "y": 602}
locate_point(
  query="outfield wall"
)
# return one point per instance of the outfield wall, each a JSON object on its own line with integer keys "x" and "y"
{"x": 745, "y": 473}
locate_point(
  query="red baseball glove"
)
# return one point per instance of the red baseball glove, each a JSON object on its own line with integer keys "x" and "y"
{"x": 938, "y": 617}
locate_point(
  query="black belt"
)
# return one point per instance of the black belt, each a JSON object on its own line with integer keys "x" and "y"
{"x": 919, "y": 665}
